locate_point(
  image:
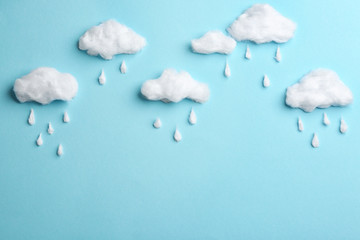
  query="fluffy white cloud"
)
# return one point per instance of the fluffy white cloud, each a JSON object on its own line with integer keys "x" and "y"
{"x": 111, "y": 38}
{"x": 321, "y": 88}
{"x": 44, "y": 85}
{"x": 174, "y": 86}
{"x": 262, "y": 23}
{"x": 213, "y": 42}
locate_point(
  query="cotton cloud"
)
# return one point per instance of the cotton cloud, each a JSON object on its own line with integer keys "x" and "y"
{"x": 111, "y": 38}
{"x": 213, "y": 42}
{"x": 262, "y": 23}
{"x": 44, "y": 85}
{"x": 320, "y": 88}
{"x": 174, "y": 86}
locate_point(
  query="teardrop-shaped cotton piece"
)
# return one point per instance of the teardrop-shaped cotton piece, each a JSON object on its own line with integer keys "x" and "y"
{"x": 278, "y": 54}
{"x": 102, "y": 78}
{"x": 39, "y": 140}
{"x": 31, "y": 119}
{"x": 266, "y": 81}
{"x": 315, "y": 141}
{"x": 60, "y": 150}
{"x": 343, "y": 126}
{"x": 192, "y": 117}
{"x": 157, "y": 123}
{"x": 300, "y": 125}
{"x": 177, "y": 136}
{"x": 66, "y": 117}
{"x": 50, "y": 129}
{"x": 248, "y": 53}
{"x": 123, "y": 67}
{"x": 227, "y": 70}
{"x": 326, "y": 120}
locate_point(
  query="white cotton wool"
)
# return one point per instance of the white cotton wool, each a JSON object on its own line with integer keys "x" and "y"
{"x": 44, "y": 85}
{"x": 300, "y": 125}
{"x": 60, "y": 150}
{"x": 157, "y": 123}
{"x": 343, "y": 126}
{"x": 111, "y": 38}
{"x": 173, "y": 86}
{"x": 31, "y": 119}
{"x": 213, "y": 42}
{"x": 227, "y": 71}
{"x": 315, "y": 141}
{"x": 177, "y": 135}
{"x": 261, "y": 23}
{"x": 66, "y": 117}
{"x": 321, "y": 88}
{"x": 102, "y": 78}
{"x": 192, "y": 117}
{"x": 326, "y": 120}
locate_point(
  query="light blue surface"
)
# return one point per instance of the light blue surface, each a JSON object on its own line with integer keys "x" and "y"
{"x": 243, "y": 172}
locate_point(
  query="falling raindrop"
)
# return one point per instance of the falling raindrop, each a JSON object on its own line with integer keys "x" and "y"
{"x": 248, "y": 53}
{"x": 157, "y": 123}
{"x": 266, "y": 81}
{"x": 66, "y": 117}
{"x": 326, "y": 120}
{"x": 31, "y": 119}
{"x": 60, "y": 150}
{"x": 227, "y": 70}
{"x": 123, "y": 67}
{"x": 102, "y": 78}
{"x": 39, "y": 140}
{"x": 343, "y": 126}
{"x": 177, "y": 135}
{"x": 278, "y": 54}
{"x": 192, "y": 117}
{"x": 50, "y": 129}
{"x": 315, "y": 141}
{"x": 300, "y": 125}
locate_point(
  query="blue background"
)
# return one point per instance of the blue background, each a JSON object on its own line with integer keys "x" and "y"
{"x": 242, "y": 172}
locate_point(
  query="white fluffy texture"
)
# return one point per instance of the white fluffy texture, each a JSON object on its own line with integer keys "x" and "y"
{"x": 60, "y": 150}
{"x": 300, "y": 125}
{"x": 320, "y": 88}
{"x": 173, "y": 86}
{"x": 227, "y": 71}
{"x": 326, "y": 120}
{"x": 66, "y": 117}
{"x": 111, "y": 38}
{"x": 177, "y": 136}
{"x": 248, "y": 53}
{"x": 266, "y": 81}
{"x": 39, "y": 140}
{"x": 192, "y": 117}
{"x": 213, "y": 42}
{"x": 157, "y": 123}
{"x": 102, "y": 78}
{"x": 50, "y": 129}
{"x": 31, "y": 119}
{"x": 44, "y": 85}
{"x": 278, "y": 56}
{"x": 262, "y": 23}
{"x": 123, "y": 67}
{"x": 315, "y": 141}
{"x": 343, "y": 126}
